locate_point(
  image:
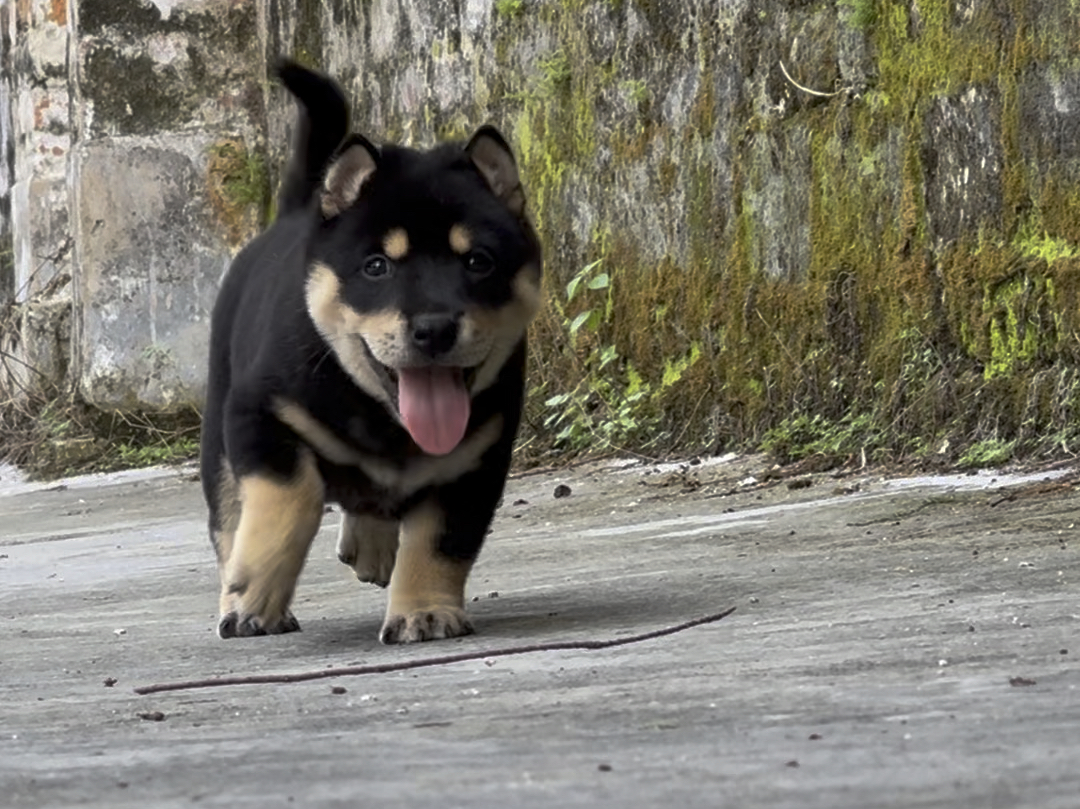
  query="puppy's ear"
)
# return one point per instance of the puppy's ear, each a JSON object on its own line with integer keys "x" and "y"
{"x": 493, "y": 159}
{"x": 353, "y": 166}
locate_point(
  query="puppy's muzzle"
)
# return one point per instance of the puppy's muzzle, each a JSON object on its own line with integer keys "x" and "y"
{"x": 434, "y": 334}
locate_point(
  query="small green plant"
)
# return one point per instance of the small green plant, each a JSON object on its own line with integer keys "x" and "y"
{"x": 1036, "y": 243}
{"x": 804, "y": 435}
{"x": 242, "y": 173}
{"x": 55, "y": 422}
{"x": 591, "y": 318}
{"x": 612, "y": 404}
{"x": 134, "y": 456}
{"x": 637, "y": 92}
{"x": 510, "y": 9}
{"x": 555, "y": 73}
{"x": 238, "y": 188}
{"x": 862, "y": 14}
{"x": 989, "y": 453}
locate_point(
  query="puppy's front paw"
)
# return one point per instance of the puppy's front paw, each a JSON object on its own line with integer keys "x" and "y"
{"x": 277, "y": 523}
{"x": 233, "y": 625}
{"x": 425, "y": 624}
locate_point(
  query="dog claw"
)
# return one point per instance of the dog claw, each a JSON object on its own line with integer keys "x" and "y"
{"x": 232, "y": 626}
{"x": 421, "y": 625}
{"x": 226, "y": 627}
{"x": 288, "y": 624}
{"x": 250, "y": 627}
{"x": 378, "y": 582}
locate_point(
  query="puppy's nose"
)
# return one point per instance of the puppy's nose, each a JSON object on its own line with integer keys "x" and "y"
{"x": 434, "y": 334}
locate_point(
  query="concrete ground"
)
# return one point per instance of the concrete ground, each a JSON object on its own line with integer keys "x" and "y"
{"x": 897, "y": 643}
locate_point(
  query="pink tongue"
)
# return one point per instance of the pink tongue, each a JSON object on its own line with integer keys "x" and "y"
{"x": 434, "y": 406}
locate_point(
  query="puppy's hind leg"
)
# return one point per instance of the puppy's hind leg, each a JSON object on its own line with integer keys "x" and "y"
{"x": 369, "y": 546}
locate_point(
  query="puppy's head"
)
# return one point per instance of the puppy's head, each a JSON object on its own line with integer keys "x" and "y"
{"x": 423, "y": 275}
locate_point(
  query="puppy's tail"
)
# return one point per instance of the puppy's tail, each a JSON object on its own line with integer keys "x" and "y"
{"x": 322, "y": 125}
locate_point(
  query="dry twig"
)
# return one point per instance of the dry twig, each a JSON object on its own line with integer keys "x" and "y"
{"x": 423, "y": 662}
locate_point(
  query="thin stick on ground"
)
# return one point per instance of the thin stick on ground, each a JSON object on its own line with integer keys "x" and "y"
{"x": 384, "y": 668}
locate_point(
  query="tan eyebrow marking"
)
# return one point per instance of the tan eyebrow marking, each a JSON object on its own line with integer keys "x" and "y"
{"x": 396, "y": 243}
{"x": 460, "y": 239}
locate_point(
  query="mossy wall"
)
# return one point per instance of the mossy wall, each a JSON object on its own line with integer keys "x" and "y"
{"x": 891, "y": 257}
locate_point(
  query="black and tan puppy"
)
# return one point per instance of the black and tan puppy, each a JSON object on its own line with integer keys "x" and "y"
{"x": 368, "y": 349}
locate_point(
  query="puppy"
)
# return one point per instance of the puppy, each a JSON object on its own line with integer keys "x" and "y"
{"x": 368, "y": 349}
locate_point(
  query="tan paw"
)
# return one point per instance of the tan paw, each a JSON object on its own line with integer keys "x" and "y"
{"x": 425, "y": 624}
{"x": 278, "y": 521}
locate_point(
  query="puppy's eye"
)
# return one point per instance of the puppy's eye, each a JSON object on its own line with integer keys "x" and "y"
{"x": 479, "y": 263}
{"x": 377, "y": 266}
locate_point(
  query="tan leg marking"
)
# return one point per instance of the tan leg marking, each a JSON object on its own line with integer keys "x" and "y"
{"x": 228, "y": 512}
{"x": 369, "y": 546}
{"x": 228, "y": 508}
{"x": 427, "y": 590}
{"x": 278, "y": 520}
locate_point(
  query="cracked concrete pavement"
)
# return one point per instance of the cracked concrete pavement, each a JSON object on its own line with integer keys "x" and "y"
{"x": 896, "y": 643}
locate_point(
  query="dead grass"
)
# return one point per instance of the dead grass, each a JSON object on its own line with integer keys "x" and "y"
{"x": 51, "y": 435}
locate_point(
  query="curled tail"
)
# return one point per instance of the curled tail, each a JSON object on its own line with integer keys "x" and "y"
{"x": 322, "y": 125}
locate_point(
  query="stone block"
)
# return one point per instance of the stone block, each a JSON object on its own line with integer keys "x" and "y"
{"x": 1050, "y": 120}
{"x": 35, "y": 348}
{"x": 151, "y": 260}
{"x": 963, "y": 165}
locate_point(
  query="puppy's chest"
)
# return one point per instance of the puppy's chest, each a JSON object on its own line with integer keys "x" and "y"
{"x": 356, "y": 491}
{"x": 387, "y": 485}
{"x": 383, "y": 473}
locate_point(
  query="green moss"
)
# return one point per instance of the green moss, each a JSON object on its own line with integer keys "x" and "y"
{"x": 636, "y": 91}
{"x": 509, "y": 9}
{"x": 1035, "y": 243}
{"x": 238, "y": 188}
{"x": 555, "y": 73}
{"x": 668, "y": 175}
{"x": 1020, "y": 329}
{"x": 457, "y": 127}
{"x": 936, "y": 58}
{"x": 861, "y": 14}
{"x": 1011, "y": 342}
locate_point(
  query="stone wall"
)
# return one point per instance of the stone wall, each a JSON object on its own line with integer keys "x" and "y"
{"x": 835, "y": 207}
{"x": 36, "y": 255}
